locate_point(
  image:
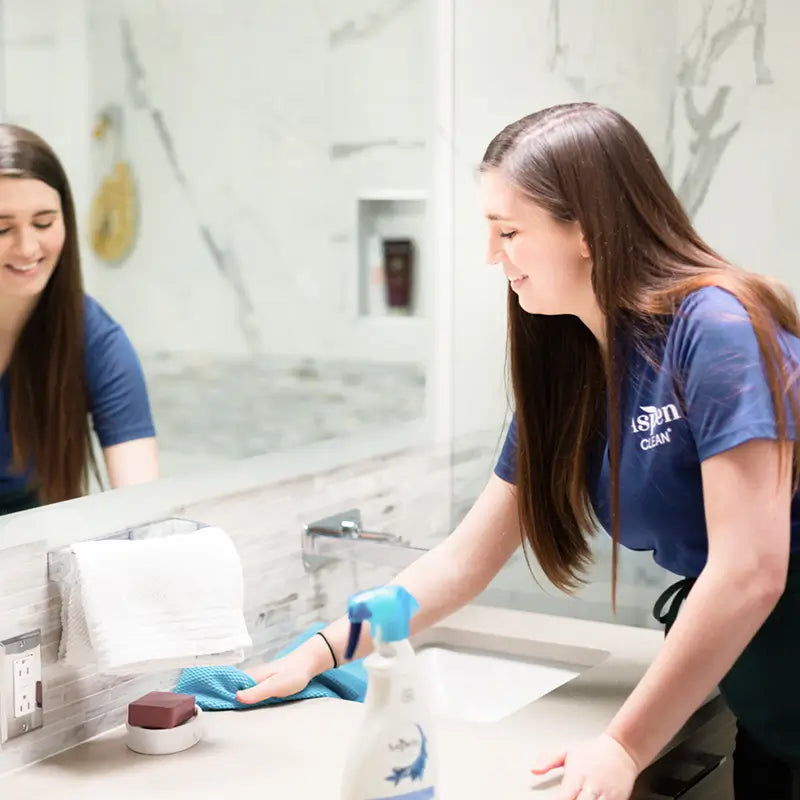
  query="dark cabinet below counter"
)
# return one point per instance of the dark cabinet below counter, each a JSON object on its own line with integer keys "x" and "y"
{"x": 699, "y": 766}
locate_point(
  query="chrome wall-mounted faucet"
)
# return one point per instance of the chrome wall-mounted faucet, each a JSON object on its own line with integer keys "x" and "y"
{"x": 342, "y": 537}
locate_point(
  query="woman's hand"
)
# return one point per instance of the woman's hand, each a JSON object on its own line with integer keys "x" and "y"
{"x": 600, "y": 769}
{"x": 280, "y": 678}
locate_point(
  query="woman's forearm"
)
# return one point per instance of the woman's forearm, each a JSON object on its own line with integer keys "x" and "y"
{"x": 436, "y": 601}
{"x": 450, "y": 575}
{"x": 434, "y": 605}
{"x": 723, "y": 612}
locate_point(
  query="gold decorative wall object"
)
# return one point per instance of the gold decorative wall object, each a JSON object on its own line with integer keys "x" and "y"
{"x": 114, "y": 217}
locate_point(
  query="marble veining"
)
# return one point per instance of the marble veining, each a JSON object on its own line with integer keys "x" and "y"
{"x": 347, "y": 149}
{"x": 370, "y": 25}
{"x": 710, "y": 138}
{"x": 166, "y": 141}
{"x": 706, "y": 147}
{"x": 668, "y": 162}
{"x": 706, "y": 46}
{"x": 224, "y": 257}
{"x": 559, "y": 51}
{"x": 583, "y": 85}
{"x": 558, "y": 47}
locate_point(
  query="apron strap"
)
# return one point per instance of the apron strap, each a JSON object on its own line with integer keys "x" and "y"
{"x": 670, "y": 601}
{"x": 18, "y": 500}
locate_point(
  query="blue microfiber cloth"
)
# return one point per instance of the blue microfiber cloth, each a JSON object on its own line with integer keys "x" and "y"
{"x": 215, "y": 688}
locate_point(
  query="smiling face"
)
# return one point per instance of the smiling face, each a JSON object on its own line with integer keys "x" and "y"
{"x": 546, "y": 261}
{"x": 31, "y": 236}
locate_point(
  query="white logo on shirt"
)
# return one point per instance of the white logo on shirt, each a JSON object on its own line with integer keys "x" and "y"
{"x": 651, "y": 422}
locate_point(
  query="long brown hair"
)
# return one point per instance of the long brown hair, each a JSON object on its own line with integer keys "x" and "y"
{"x": 49, "y": 401}
{"x": 585, "y": 163}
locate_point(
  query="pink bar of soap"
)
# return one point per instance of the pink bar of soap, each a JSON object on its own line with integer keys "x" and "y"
{"x": 161, "y": 710}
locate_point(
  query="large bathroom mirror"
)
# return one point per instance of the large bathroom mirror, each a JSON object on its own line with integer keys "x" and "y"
{"x": 253, "y": 188}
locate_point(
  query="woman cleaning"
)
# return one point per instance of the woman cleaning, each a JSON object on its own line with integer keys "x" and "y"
{"x": 63, "y": 360}
{"x": 655, "y": 390}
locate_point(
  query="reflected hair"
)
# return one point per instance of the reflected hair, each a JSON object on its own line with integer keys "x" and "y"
{"x": 586, "y": 164}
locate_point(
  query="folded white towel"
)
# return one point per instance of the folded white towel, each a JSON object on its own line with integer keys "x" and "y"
{"x": 160, "y": 603}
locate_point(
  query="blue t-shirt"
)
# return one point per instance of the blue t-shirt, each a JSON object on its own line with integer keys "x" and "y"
{"x": 118, "y": 402}
{"x": 711, "y": 354}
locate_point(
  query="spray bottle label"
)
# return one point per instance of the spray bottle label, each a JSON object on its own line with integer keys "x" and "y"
{"x": 411, "y": 751}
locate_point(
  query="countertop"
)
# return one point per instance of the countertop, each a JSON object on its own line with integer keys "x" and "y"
{"x": 298, "y": 750}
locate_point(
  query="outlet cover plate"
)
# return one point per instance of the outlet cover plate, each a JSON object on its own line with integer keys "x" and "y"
{"x": 26, "y": 646}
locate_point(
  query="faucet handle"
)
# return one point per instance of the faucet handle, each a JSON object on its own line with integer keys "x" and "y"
{"x": 347, "y": 525}
{"x": 350, "y": 527}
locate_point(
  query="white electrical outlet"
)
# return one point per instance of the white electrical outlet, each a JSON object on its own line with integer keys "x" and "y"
{"x": 27, "y": 671}
{"x": 20, "y": 685}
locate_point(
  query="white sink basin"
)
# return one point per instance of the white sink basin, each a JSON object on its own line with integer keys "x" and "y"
{"x": 486, "y": 687}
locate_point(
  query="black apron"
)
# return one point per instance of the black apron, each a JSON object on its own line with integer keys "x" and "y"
{"x": 762, "y": 688}
{"x": 18, "y": 500}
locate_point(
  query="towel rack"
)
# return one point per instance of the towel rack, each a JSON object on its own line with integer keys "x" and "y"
{"x": 57, "y": 559}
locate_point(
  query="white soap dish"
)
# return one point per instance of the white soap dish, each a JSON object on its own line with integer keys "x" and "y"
{"x": 163, "y": 741}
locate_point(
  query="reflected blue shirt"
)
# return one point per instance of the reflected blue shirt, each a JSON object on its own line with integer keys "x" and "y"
{"x": 118, "y": 401}
{"x": 704, "y": 392}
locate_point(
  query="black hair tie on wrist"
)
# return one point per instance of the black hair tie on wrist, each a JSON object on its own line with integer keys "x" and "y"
{"x": 333, "y": 655}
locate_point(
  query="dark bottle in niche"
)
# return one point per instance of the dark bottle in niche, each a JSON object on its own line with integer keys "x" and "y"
{"x": 398, "y": 266}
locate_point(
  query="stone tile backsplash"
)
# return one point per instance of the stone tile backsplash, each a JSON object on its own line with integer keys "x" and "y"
{"x": 407, "y": 493}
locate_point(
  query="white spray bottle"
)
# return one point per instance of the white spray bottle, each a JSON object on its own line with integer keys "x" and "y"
{"x": 391, "y": 754}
